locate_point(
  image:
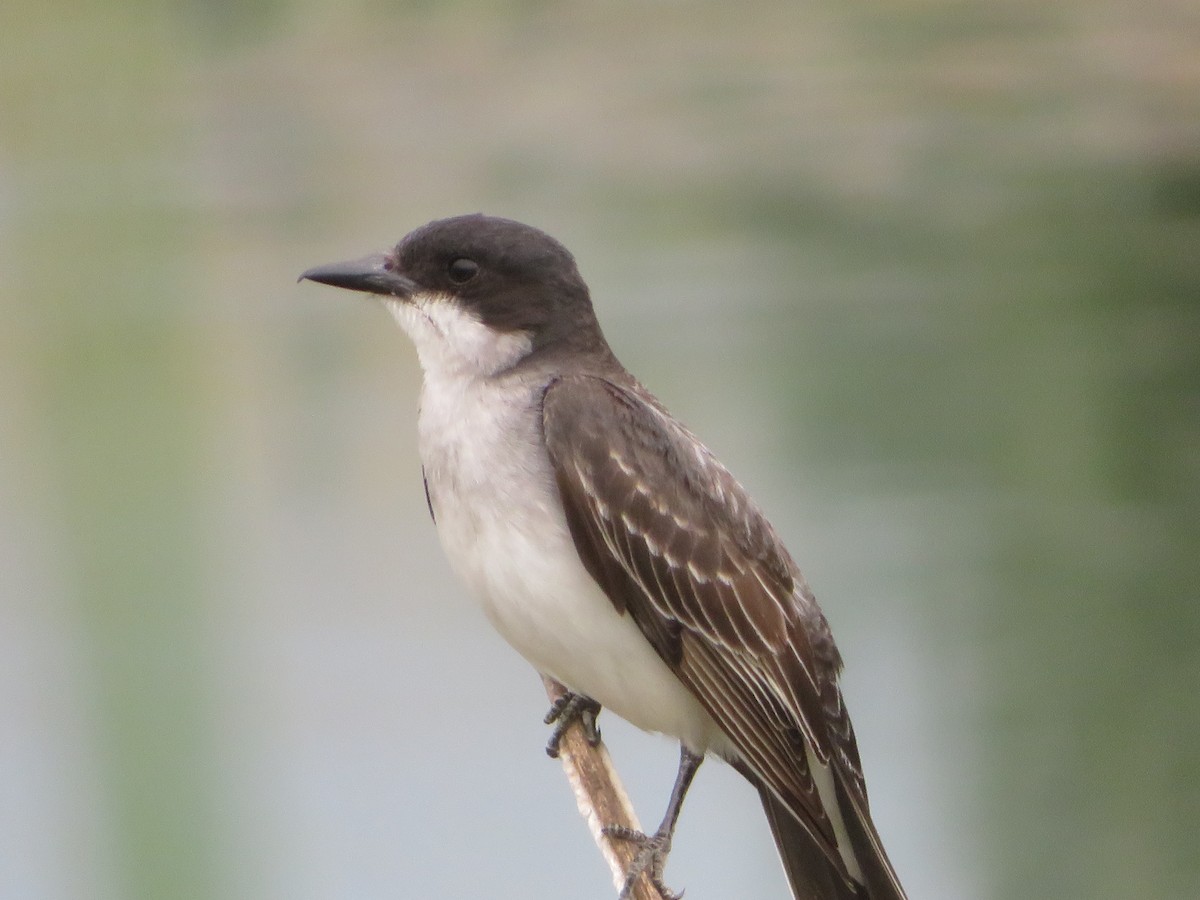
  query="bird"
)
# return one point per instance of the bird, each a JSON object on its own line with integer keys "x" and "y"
{"x": 611, "y": 549}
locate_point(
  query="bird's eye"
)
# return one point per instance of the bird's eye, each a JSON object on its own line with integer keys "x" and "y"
{"x": 462, "y": 270}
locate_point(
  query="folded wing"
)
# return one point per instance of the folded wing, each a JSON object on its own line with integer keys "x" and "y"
{"x": 675, "y": 543}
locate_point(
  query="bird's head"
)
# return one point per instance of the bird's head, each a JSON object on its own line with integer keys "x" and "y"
{"x": 476, "y": 294}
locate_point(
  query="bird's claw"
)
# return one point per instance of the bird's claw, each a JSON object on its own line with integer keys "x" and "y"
{"x": 564, "y": 711}
{"x": 651, "y": 859}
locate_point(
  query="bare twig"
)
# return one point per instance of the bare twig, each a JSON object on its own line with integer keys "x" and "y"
{"x": 601, "y": 799}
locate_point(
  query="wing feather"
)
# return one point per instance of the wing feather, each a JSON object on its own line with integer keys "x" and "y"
{"x": 676, "y": 543}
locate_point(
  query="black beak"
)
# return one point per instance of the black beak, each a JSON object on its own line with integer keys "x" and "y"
{"x": 371, "y": 274}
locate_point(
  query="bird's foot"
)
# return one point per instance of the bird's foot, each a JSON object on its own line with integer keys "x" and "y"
{"x": 651, "y": 859}
{"x": 567, "y": 709}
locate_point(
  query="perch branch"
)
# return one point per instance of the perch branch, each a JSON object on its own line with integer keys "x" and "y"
{"x": 601, "y": 799}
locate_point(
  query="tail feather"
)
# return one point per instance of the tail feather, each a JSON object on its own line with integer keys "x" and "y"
{"x": 881, "y": 879}
{"x": 809, "y": 872}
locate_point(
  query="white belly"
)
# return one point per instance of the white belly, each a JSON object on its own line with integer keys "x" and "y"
{"x": 501, "y": 525}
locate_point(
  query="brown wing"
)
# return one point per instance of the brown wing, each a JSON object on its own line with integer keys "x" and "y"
{"x": 675, "y": 542}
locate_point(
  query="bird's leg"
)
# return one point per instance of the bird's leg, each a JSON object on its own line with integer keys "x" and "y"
{"x": 567, "y": 709}
{"x": 654, "y": 848}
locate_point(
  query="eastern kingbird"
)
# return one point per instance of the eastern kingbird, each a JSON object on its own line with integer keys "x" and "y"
{"x": 612, "y": 550}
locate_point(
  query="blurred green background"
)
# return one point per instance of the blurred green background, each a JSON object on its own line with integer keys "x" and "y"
{"x": 925, "y": 274}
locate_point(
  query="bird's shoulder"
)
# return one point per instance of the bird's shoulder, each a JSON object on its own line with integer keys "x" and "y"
{"x": 614, "y": 435}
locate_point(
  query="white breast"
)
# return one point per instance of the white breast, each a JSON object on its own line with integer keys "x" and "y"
{"x": 502, "y": 527}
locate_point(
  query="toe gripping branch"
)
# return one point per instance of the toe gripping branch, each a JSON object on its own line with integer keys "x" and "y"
{"x": 566, "y": 710}
{"x": 653, "y": 849}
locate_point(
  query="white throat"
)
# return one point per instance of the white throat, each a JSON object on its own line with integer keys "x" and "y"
{"x": 453, "y": 342}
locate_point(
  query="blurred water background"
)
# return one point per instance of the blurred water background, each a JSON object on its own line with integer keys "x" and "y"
{"x": 925, "y": 274}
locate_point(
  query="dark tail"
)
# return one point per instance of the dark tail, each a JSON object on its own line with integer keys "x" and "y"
{"x": 810, "y": 873}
